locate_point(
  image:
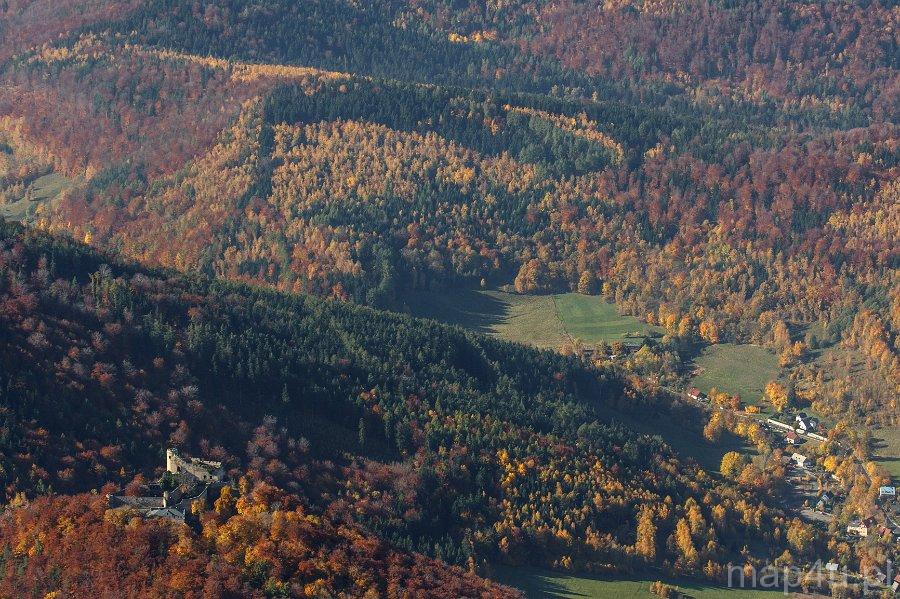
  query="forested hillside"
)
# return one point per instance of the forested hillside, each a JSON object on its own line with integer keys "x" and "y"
{"x": 261, "y": 545}
{"x": 436, "y": 440}
{"x": 716, "y": 187}
{"x": 726, "y": 172}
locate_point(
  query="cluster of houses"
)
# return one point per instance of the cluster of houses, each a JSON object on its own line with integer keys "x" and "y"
{"x": 803, "y": 425}
{"x": 186, "y": 480}
{"x": 806, "y": 426}
{"x": 827, "y": 500}
{"x": 887, "y": 496}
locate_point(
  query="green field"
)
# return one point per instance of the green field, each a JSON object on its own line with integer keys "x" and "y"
{"x": 541, "y": 320}
{"x": 42, "y": 189}
{"x": 524, "y": 318}
{"x": 886, "y": 443}
{"x": 543, "y": 584}
{"x": 736, "y": 369}
{"x": 592, "y": 319}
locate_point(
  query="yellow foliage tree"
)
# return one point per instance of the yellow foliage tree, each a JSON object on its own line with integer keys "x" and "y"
{"x": 777, "y": 395}
{"x": 645, "y": 545}
{"x": 732, "y": 464}
{"x": 684, "y": 542}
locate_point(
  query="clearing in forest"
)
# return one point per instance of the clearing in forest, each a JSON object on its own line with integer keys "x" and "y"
{"x": 546, "y": 321}
{"x": 736, "y": 369}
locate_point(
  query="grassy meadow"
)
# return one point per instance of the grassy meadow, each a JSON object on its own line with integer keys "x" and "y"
{"x": 528, "y": 319}
{"x": 736, "y": 369}
{"x": 545, "y": 321}
{"x": 43, "y": 189}
{"x": 592, "y": 319}
{"x": 886, "y": 442}
{"x": 544, "y": 584}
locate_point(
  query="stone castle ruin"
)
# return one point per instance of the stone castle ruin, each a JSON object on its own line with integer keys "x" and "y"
{"x": 185, "y": 481}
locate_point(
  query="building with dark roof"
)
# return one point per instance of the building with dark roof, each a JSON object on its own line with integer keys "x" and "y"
{"x": 186, "y": 480}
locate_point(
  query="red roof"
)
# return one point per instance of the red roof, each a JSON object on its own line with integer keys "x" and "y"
{"x": 693, "y": 391}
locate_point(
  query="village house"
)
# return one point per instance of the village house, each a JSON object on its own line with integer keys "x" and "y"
{"x": 696, "y": 394}
{"x": 792, "y": 438}
{"x": 862, "y": 528}
{"x": 825, "y": 503}
{"x": 858, "y": 528}
{"x": 896, "y": 584}
{"x": 185, "y": 481}
{"x": 799, "y": 459}
{"x": 887, "y": 493}
{"x": 806, "y": 424}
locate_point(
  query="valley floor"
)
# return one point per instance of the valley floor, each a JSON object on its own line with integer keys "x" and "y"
{"x": 544, "y": 584}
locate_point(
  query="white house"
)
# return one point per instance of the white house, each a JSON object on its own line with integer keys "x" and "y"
{"x": 799, "y": 459}
{"x": 806, "y": 424}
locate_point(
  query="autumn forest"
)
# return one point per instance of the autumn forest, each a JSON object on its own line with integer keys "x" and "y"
{"x": 219, "y": 211}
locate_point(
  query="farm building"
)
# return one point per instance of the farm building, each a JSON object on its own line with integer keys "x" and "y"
{"x": 779, "y": 424}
